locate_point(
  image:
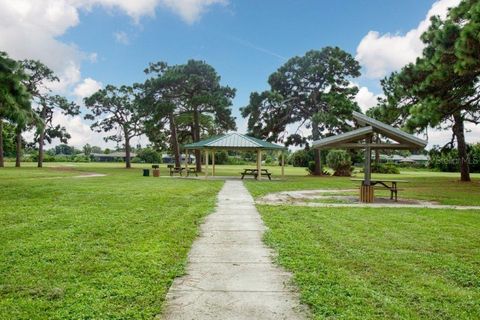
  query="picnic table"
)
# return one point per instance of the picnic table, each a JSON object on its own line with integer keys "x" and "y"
{"x": 254, "y": 172}
{"x": 174, "y": 169}
{"x": 180, "y": 170}
{"x": 388, "y": 184}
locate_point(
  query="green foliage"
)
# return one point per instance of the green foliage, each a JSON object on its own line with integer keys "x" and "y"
{"x": 311, "y": 167}
{"x": 444, "y": 80}
{"x": 385, "y": 168}
{"x": 87, "y": 149}
{"x": 149, "y": 155}
{"x": 137, "y": 160}
{"x": 447, "y": 160}
{"x": 340, "y": 161}
{"x": 301, "y": 158}
{"x": 64, "y": 149}
{"x": 234, "y": 160}
{"x": 184, "y": 102}
{"x": 81, "y": 158}
{"x": 118, "y": 110}
{"x": 8, "y": 139}
{"x": 301, "y": 93}
{"x": 221, "y": 157}
{"x": 14, "y": 98}
{"x": 39, "y": 76}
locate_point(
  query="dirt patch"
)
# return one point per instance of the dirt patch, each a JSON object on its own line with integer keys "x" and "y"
{"x": 70, "y": 168}
{"x": 90, "y": 175}
{"x": 340, "y": 197}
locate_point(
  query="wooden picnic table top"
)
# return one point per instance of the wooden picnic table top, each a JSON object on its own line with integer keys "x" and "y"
{"x": 253, "y": 170}
{"x": 382, "y": 180}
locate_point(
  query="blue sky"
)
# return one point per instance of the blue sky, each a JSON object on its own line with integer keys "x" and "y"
{"x": 91, "y": 43}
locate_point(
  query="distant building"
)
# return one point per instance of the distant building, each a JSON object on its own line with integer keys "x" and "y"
{"x": 110, "y": 157}
{"x": 416, "y": 159}
{"x": 167, "y": 158}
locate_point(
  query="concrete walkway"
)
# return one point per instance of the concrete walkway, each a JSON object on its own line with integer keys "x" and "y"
{"x": 230, "y": 274}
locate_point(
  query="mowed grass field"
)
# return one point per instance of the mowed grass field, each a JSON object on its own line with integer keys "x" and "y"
{"x": 94, "y": 248}
{"x": 388, "y": 263}
{"x": 109, "y": 247}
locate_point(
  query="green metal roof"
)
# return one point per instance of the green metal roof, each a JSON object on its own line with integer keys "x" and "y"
{"x": 233, "y": 141}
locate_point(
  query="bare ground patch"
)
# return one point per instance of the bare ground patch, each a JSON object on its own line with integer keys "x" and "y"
{"x": 346, "y": 198}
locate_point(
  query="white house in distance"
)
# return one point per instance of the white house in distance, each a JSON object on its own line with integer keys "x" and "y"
{"x": 415, "y": 158}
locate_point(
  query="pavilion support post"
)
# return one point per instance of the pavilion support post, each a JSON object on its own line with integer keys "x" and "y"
{"x": 283, "y": 163}
{"x": 186, "y": 160}
{"x": 213, "y": 163}
{"x": 366, "y": 190}
{"x": 206, "y": 163}
{"x": 320, "y": 161}
{"x": 259, "y": 164}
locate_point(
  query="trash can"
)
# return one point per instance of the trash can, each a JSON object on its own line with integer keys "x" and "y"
{"x": 146, "y": 172}
{"x": 156, "y": 172}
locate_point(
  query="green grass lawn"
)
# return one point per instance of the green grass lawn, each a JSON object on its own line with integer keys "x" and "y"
{"x": 94, "y": 248}
{"x": 367, "y": 263}
{"x": 356, "y": 263}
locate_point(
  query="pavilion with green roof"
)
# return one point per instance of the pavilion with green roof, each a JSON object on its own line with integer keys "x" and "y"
{"x": 234, "y": 141}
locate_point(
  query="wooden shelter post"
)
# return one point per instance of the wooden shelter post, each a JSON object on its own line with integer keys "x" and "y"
{"x": 368, "y": 166}
{"x": 186, "y": 160}
{"x": 367, "y": 189}
{"x": 283, "y": 164}
{"x": 259, "y": 164}
{"x": 213, "y": 162}
{"x": 206, "y": 163}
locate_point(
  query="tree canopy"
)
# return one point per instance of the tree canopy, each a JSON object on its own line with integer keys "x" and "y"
{"x": 444, "y": 81}
{"x": 116, "y": 109}
{"x": 313, "y": 91}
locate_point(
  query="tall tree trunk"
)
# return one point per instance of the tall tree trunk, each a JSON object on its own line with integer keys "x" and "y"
{"x": 316, "y": 152}
{"x": 459, "y": 132}
{"x": 196, "y": 137}
{"x": 41, "y": 139}
{"x": 128, "y": 164}
{"x": 41, "y": 143}
{"x": 174, "y": 141}
{"x": 2, "y": 164}
{"x": 18, "y": 153}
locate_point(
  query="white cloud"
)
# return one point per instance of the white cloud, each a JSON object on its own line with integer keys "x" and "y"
{"x": 191, "y": 10}
{"x": 381, "y": 54}
{"x": 86, "y": 88}
{"x": 121, "y": 37}
{"x": 366, "y": 99}
{"x": 30, "y": 29}
{"x": 441, "y": 137}
{"x": 93, "y": 57}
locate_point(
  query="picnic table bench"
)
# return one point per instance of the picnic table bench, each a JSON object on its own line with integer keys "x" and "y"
{"x": 191, "y": 171}
{"x": 180, "y": 170}
{"x": 174, "y": 169}
{"x": 388, "y": 184}
{"x": 254, "y": 172}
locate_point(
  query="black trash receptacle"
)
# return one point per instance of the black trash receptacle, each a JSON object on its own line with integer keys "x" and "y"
{"x": 146, "y": 172}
